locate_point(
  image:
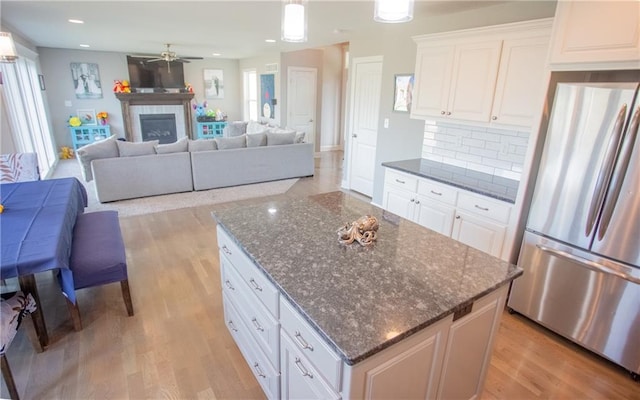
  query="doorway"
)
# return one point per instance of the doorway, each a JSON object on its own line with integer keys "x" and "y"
{"x": 301, "y": 101}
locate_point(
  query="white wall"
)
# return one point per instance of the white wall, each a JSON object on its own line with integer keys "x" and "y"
{"x": 331, "y": 118}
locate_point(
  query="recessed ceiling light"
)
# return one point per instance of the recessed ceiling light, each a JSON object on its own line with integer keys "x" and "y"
{"x": 76, "y": 21}
{"x": 84, "y": 45}
{"x": 270, "y": 40}
{"x": 217, "y": 54}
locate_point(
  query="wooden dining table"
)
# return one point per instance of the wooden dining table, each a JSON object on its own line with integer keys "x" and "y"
{"x": 36, "y": 232}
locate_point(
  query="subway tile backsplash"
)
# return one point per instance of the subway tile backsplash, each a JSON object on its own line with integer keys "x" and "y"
{"x": 499, "y": 152}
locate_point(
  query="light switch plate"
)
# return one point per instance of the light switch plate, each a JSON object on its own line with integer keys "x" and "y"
{"x": 67, "y": 103}
{"x": 386, "y": 122}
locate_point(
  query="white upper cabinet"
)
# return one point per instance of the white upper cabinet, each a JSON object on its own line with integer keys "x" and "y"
{"x": 492, "y": 75}
{"x": 596, "y": 35}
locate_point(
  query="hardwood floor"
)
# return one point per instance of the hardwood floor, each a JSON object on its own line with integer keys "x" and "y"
{"x": 177, "y": 346}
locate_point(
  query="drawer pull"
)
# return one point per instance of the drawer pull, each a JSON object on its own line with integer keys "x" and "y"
{"x": 257, "y": 325}
{"x": 302, "y": 369}
{"x": 229, "y": 285}
{"x": 226, "y": 249}
{"x": 436, "y": 193}
{"x": 232, "y": 326}
{"x": 255, "y": 285}
{"x": 256, "y": 366}
{"x": 301, "y": 342}
{"x": 481, "y": 208}
{"x": 399, "y": 181}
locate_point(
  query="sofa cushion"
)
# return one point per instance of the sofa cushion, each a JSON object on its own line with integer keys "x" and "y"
{"x": 256, "y": 139}
{"x": 276, "y": 139}
{"x": 131, "y": 149}
{"x": 236, "y": 128}
{"x": 299, "y": 137}
{"x": 237, "y": 142}
{"x": 202, "y": 145}
{"x": 256, "y": 127}
{"x": 178, "y": 146}
{"x": 106, "y": 148}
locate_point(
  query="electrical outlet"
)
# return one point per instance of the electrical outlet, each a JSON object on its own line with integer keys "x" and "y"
{"x": 67, "y": 103}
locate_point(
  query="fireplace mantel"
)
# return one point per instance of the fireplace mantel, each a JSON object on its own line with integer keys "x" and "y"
{"x": 153, "y": 99}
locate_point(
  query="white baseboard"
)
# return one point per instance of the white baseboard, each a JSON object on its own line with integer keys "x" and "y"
{"x": 330, "y": 148}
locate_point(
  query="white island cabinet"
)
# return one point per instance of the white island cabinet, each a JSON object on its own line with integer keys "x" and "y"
{"x": 287, "y": 329}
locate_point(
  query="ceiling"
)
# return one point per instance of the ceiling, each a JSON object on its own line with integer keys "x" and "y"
{"x": 234, "y": 29}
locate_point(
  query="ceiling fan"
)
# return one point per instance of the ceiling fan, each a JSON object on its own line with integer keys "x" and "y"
{"x": 169, "y": 56}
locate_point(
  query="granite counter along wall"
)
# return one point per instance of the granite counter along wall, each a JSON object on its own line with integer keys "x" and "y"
{"x": 493, "y": 151}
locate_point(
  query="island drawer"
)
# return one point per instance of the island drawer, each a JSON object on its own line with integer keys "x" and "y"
{"x": 263, "y": 327}
{"x": 398, "y": 179}
{"x": 266, "y": 375}
{"x": 258, "y": 283}
{"x": 486, "y": 207}
{"x": 436, "y": 191}
{"x": 311, "y": 344}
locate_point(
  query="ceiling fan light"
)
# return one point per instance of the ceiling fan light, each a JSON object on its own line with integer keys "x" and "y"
{"x": 393, "y": 11}
{"x": 8, "y": 52}
{"x": 294, "y": 21}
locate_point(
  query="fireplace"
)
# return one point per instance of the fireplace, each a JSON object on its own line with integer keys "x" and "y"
{"x": 160, "y": 127}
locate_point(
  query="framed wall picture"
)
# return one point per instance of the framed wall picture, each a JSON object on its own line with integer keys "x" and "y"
{"x": 403, "y": 91}
{"x": 86, "y": 80}
{"x": 213, "y": 84}
{"x": 267, "y": 89}
{"x": 87, "y": 116}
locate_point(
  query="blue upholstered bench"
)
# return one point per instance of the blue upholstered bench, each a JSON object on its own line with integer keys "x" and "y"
{"x": 98, "y": 257}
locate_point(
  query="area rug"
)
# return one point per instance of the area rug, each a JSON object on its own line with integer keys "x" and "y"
{"x": 154, "y": 204}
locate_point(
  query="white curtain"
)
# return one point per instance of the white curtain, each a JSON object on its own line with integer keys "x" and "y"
{"x": 26, "y": 112}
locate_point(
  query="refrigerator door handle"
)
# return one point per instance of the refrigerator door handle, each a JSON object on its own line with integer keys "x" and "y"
{"x": 605, "y": 171}
{"x": 588, "y": 264}
{"x": 618, "y": 176}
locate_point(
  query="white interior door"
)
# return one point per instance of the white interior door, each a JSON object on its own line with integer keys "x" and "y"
{"x": 365, "y": 100}
{"x": 301, "y": 101}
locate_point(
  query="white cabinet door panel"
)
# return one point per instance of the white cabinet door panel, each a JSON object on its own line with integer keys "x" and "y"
{"x": 435, "y": 216}
{"x": 432, "y": 82}
{"x": 479, "y": 233}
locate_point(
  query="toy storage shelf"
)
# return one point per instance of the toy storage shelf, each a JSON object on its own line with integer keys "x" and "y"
{"x": 83, "y": 135}
{"x": 210, "y": 130}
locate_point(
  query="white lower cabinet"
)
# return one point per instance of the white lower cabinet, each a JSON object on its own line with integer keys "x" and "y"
{"x": 475, "y": 220}
{"x": 290, "y": 360}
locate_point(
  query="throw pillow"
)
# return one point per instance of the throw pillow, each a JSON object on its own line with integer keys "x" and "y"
{"x": 106, "y": 148}
{"x": 299, "y": 137}
{"x": 277, "y": 139}
{"x": 202, "y": 145}
{"x": 130, "y": 149}
{"x": 256, "y": 127}
{"x": 237, "y": 142}
{"x": 179, "y": 146}
{"x": 256, "y": 139}
{"x": 235, "y": 128}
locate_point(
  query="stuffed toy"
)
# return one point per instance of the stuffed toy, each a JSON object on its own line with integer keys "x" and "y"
{"x": 126, "y": 88}
{"x": 188, "y": 88}
{"x": 117, "y": 86}
{"x": 200, "y": 108}
{"x": 66, "y": 153}
{"x": 74, "y": 121}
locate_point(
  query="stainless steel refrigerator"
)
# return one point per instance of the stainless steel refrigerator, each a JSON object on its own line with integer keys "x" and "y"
{"x": 581, "y": 246}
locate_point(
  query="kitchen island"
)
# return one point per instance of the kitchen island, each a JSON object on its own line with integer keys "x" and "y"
{"x": 414, "y": 315}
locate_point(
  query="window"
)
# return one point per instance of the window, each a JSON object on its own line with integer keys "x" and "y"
{"x": 250, "y": 94}
{"x": 26, "y": 112}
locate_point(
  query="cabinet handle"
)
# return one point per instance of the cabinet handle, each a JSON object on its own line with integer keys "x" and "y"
{"x": 226, "y": 249}
{"x": 412, "y": 200}
{"x": 448, "y": 112}
{"x": 354, "y": 136}
{"x": 417, "y": 201}
{"x": 255, "y": 285}
{"x": 301, "y": 342}
{"x": 256, "y": 366}
{"x": 229, "y": 285}
{"x": 399, "y": 181}
{"x": 257, "y": 325}
{"x": 436, "y": 193}
{"x": 481, "y": 208}
{"x": 494, "y": 118}
{"x": 441, "y": 112}
{"x": 457, "y": 217}
{"x": 302, "y": 369}
{"x": 232, "y": 326}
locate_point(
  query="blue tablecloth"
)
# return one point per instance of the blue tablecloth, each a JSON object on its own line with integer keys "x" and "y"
{"x": 36, "y": 227}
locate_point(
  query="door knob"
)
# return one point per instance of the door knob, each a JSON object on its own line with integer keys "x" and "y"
{"x": 354, "y": 136}
{"x": 494, "y": 118}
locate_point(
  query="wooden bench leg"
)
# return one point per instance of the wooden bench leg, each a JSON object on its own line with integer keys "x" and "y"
{"x": 126, "y": 295}
{"x": 8, "y": 379}
{"x": 28, "y": 285}
{"x": 75, "y": 314}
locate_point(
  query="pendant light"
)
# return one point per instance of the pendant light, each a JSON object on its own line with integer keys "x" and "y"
{"x": 294, "y": 21}
{"x": 393, "y": 11}
{"x": 7, "y": 48}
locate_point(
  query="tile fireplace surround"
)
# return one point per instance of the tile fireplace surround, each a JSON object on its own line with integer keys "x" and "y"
{"x": 135, "y": 104}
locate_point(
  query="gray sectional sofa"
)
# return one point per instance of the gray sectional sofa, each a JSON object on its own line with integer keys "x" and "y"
{"x": 124, "y": 174}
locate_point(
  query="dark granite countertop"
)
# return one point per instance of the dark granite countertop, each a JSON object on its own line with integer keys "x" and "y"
{"x": 486, "y": 184}
{"x": 361, "y": 300}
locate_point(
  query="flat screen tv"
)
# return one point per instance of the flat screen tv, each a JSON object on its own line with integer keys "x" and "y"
{"x": 154, "y": 75}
